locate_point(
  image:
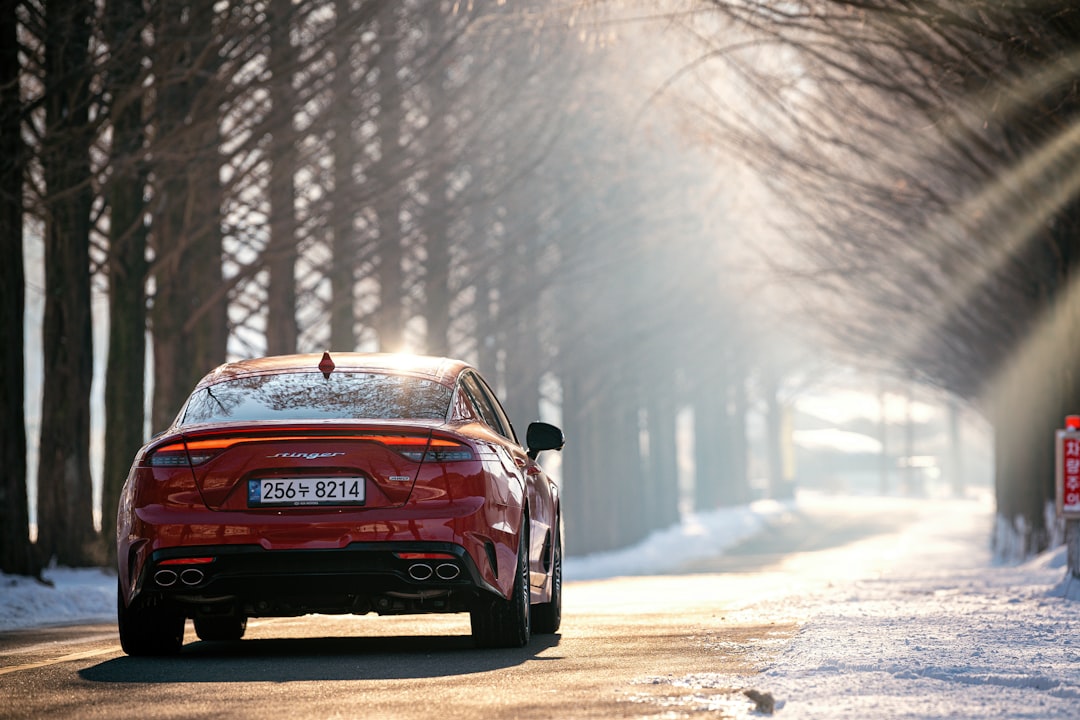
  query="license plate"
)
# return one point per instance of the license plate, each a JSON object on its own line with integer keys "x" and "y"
{"x": 263, "y": 492}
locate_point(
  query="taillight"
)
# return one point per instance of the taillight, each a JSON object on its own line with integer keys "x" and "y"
{"x": 202, "y": 450}
{"x": 170, "y": 456}
{"x": 438, "y": 450}
{"x": 195, "y": 453}
{"x": 418, "y": 448}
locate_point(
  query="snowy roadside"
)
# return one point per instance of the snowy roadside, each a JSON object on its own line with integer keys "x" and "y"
{"x": 919, "y": 624}
{"x": 75, "y": 596}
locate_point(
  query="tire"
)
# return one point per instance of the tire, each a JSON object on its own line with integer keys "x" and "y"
{"x": 506, "y": 623}
{"x": 228, "y": 628}
{"x": 148, "y": 629}
{"x": 546, "y": 617}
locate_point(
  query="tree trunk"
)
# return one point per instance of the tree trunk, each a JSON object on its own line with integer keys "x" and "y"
{"x": 708, "y": 473}
{"x": 957, "y": 481}
{"x": 662, "y": 480}
{"x": 16, "y": 554}
{"x": 125, "y": 375}
{"x": 438, "y": 294}
{"x": 343, "y": 245}
{"x": 441, "y": 213}
{"x": 391, "y": 313}
{"x": 281, "y": 328}
{"x": 65, "y": 509}
{"x": 626, "y": 505}
{"x": 779, "y": 485}
{"x": 524, "y": 355}
{"x": 572, "y": 488}
{"x": 189, "y": 324}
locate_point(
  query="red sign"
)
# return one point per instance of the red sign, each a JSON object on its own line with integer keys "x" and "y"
{"x": 1068, "y": 473}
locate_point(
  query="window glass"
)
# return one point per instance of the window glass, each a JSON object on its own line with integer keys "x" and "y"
{"x": 497, "y": 407}
{"x": 483, "y": 404}
{"x": 310, "y": 396}
{"x": 488, "y": 406}
{"x": 463, "y": 406}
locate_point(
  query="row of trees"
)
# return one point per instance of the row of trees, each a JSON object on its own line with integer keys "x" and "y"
{"x": 282, "y": 175}
{"x": 926, "y": 153}
{"x": 470, "y": 179}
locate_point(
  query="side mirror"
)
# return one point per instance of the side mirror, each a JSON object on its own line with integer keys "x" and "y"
{"x": 543, "y": 436}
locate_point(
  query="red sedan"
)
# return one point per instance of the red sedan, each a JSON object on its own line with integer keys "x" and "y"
{"x": 351, "y": 483}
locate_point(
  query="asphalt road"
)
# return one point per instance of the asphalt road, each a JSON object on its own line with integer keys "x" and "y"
{"x": 620, "y": 639}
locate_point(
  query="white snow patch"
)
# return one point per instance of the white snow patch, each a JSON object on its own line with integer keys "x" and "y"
{"x": 837, "y": 440}
{"x": 928, "y": 626}
{"x": 701, "y": 535}
{"x": 75, "y": 596}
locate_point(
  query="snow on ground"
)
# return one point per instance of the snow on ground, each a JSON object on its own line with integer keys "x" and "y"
{"x": 937, "y": 631}
{"x": 699, "y": 536}
{"x": 76, "y": 596}
{"x": 916, "y": 623}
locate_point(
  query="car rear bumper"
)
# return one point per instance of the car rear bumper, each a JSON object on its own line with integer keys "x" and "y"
{"x": 382, "y": 577}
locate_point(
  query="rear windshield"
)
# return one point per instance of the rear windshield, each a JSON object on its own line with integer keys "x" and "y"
{"x": 310, "y": 396}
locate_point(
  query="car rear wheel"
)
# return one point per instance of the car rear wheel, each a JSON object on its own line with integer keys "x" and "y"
{"x": 546, "y": 617}
{"x": 148, "y": 629}
{"x": 222, "y": 629}
{"x": 506, "y": 623}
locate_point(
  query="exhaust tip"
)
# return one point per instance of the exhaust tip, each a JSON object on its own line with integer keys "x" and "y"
{"x": 191, "y": 576}
{"x": 420, "y": 571}
{"x": 165, "y": 578}
{"x": 447, "y": 571}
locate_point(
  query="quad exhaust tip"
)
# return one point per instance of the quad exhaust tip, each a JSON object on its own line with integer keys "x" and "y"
{"x": 420, "y": 571}
{"x": 165, "y": 578}
{"x": 447, "y": 571}
{"x": 191, "y": 576}
{"x": 444, "y": 571}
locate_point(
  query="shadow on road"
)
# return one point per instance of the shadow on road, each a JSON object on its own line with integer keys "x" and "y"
{"x": 305, "y": 659}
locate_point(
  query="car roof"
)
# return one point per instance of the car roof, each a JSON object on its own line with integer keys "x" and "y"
{"x": 440, "y": 369}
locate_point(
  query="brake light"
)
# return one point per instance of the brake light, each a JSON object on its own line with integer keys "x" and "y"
{"x": 169, "y": 456}
{"x": 439, "y": 450}
{"x": 202, "y": 450}
{"x": 187, "y": 561}
{"x": 424, "y": 556}
{"x": 196, "y": 453}
{"x": 418, "y": 448}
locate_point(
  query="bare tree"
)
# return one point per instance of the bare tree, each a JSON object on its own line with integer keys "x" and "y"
{"x": 281, "y": 328}
{"x": 16, "y": 555}
{"x": 125, "y": 377}
{"x": 391, "y": 315}
{"x": 65, "y": 510}
{"x": 344, "y": 243}
{"x": 189, "y": 301}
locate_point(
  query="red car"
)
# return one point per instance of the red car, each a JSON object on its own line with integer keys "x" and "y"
{"x": 351, "y": 483}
